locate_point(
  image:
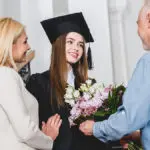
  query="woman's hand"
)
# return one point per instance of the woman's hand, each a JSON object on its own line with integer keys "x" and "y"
{"x": 51, "y": 128}
{"x": 135, "y": 136}
{"x": 124, "y": 141}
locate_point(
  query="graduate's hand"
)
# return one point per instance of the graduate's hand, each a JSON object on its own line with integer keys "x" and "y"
{"x": 87, "y": 127}
{"x": 51, "y": 128}
{"x": 43, "y": 126}
{"x": 124, "y": 141}
{"x": 134, "y": 136}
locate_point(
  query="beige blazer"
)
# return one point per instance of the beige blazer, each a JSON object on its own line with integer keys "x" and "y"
{"x": 19, "y": 115}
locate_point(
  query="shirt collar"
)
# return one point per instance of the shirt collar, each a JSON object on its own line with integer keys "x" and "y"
{"x": 71, "y": 78}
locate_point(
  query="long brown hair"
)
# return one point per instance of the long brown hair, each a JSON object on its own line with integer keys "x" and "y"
{"x": 59, "y": 70}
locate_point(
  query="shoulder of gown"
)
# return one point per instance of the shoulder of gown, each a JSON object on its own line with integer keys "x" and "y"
{"x": 36, "y": 81}
{"x": 38, "y": 77}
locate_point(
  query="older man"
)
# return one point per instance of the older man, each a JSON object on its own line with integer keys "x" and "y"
{"x": 135, "y": 112}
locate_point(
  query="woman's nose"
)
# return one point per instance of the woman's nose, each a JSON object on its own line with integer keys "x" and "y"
{"x": 75, "y": 47}
{"x": 29, "y": 47}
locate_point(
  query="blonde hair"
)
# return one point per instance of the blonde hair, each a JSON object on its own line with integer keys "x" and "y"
{"x": 10, "y": 31}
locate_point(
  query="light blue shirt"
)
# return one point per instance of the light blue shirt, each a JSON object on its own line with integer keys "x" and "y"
{"x": 134, "y": 114}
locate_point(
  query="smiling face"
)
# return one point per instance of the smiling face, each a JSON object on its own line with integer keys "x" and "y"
{"x": 20, "y": 47}
{"x": 74, "y": 47}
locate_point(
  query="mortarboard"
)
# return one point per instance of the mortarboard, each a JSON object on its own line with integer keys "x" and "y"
{"x": 54, "y": 27}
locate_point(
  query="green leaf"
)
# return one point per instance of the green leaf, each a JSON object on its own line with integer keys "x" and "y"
{"x": 100, "y": 113}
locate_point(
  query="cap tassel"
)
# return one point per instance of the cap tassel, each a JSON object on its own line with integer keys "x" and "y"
{"x": 89, "y": 58}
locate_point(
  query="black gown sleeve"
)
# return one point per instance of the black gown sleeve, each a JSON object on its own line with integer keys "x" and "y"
{"x": 35, "y": 89}
{"x": 32, "y": 85}
{"x": 39, "y": 86}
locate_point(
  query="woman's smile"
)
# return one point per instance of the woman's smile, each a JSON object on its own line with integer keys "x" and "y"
{"x": 74, "y": 54}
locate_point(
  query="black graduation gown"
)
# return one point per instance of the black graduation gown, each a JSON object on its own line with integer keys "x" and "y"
{"x": 68, "y": 138}
{"x": 39, "y": 86}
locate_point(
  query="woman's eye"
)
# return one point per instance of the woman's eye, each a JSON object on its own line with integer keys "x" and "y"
{"x": 69, "y": 42}
{"x": 81, "y": 45}
{"x": 25, "y": 42}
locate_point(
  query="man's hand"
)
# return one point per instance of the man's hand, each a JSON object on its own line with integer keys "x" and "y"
{"x": 51, "y": 128}
{"x": 87, "y": 127}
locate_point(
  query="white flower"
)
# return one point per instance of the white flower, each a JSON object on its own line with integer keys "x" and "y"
{"x": 71, "y": 102}
{"x": 76, "y": 93}
{"x": 87, "y": 96}
{"x": 91, "y": 90}
{"x": 88, "y": 82}
{"x": 83, "y": 88}
{"x": 69, "y": 90}
{"x": 68, "y": 96}
{"x": 96, "y": 85}
{"x": 104, "y": 95}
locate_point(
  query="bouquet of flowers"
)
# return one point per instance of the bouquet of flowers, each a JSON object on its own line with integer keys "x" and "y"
{"x": 85, "y": 101}
{"x": 134, "y": 146}
{"x": 94, "y": 101}
{"x": 112, "y": 102}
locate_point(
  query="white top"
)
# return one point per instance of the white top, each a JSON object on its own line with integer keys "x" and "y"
{"x": 71, "y": 78}
{"x": 19, "y": 115}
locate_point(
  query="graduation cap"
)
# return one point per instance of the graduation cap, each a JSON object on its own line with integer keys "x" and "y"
{"x": 54, "y": 27}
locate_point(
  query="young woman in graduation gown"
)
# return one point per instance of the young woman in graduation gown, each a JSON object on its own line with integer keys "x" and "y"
{"x": 68, "y": 35}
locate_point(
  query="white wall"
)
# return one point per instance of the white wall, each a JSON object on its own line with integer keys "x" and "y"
{"x": 126, "y": 45}
{"x": 11, "y": 9}
{"x": 118, "y": 43}
{"x": 60, "y": 7}
{"x": 1, "y": 7}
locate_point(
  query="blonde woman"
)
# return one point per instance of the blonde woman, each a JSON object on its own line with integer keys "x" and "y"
{"x": 18, "y": 108}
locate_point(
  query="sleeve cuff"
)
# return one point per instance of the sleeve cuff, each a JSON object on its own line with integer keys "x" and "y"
{"x": 52, "y": 142}
{"x": 98, "y": 133}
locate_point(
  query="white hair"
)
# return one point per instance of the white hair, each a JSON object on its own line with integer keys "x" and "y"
{"x": 145, "y": 9}
{"x": 147, "y": 2}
